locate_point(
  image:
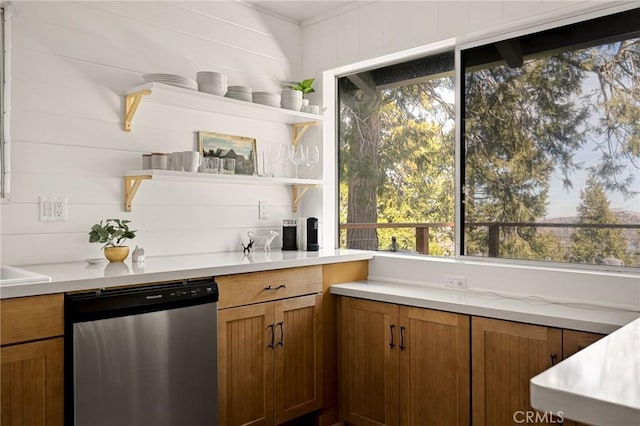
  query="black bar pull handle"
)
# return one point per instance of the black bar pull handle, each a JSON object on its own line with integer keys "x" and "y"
{"x": 402, "y": 346}
{"x": 554, "y": 359}
{"x": 392, "y": 345}
{"x": 281, "y": 342}
{"x": 273, "y": 336}
{"x": 269, "y": 288}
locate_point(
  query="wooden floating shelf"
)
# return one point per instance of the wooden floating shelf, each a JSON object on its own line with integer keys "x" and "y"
{"x": 192, "y": 99}
{"x": 133, "y": 180}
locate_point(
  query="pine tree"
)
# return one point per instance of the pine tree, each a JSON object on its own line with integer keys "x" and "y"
{"x": 592, "y": 244}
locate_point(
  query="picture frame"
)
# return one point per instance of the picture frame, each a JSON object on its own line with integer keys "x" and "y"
{"x": 241, "y": 148}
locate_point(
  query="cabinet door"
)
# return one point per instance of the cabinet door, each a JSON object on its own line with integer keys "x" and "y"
{"x": 572, "y": 342}
{"x": 298, "y": 357}
{"x": 369, "y": 337}
{"x": 31, "y": 383}
{"x": 434, "y": 368}
{"x": 245, "y": 365}
{"x": 505, "y": 356}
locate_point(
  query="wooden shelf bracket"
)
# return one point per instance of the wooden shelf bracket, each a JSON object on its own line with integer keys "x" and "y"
{"x": 297, "y": 192}
{"x": 299, "y": 129}
{"x": 131, "y": 185}
{"x": 131, "y": 103}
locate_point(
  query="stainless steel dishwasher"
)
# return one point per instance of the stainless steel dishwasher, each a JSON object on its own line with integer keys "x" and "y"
{"x": 142, "y": 356}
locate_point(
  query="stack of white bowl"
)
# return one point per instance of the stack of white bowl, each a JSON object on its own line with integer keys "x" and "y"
{"x": 266, "y": 98}
{"x": 291, "y": 99}
{"x": 212, "y": 82}
{"x": 171, "y": 79}
{"x": 242, "y": 93}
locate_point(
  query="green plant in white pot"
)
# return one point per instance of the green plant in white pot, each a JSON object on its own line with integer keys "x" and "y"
{"x": 304, "y": 86}
{"x": 293, "y": 93}
{"x": 113, "y": 233}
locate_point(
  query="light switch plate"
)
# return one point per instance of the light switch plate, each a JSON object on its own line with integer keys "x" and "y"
{"x": 262, "y": 210}
{"x": 53, "y": 209}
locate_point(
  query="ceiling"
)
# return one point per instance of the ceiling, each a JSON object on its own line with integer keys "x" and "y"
{"x": 302, "y": 10}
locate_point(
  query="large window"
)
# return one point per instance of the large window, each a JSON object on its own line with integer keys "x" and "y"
{"x": 550, "y": 149}
{"x": 397, "y": 157}
{"x": 552, "y": 144}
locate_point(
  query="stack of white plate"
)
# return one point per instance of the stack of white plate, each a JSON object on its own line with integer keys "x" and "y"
{"x": 212, "y": 82}
{"x": 291, "y": 99}
{"x": 266, "y": 98}
{"x": 242, "y": 93}
{"x": 171, "y": 79}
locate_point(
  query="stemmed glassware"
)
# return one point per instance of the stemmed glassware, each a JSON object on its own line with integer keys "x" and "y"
{"x": 313, "y": 157}
{"x": 299, "y": 157}
{"x": 283, "y": 157}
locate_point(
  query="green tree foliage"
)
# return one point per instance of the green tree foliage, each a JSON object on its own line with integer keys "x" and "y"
{"x": 524, "y": 124}
{"x": 521, "y": 125}
{"x": 592, "y": 244}
{"x": 513, "y": 145}
{"x": 410, "y": 165}
{"x": 359, "y": 165}
{"x": 617, "y": 69}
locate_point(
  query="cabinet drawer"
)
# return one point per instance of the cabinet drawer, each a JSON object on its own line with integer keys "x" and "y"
{"x": 30, "y": 318}
{"x": 257, "y": 287}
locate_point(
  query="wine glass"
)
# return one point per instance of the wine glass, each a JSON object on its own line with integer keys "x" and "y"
{"x": 313, "y": 157}
{"x": 299, "y": 157}
{"x": 284, "y": 155}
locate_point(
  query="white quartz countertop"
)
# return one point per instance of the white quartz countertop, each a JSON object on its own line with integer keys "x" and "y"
{"x": 599, "y": 385}
{"x": 77, "y": 276}
{"x": 532, "y": 310}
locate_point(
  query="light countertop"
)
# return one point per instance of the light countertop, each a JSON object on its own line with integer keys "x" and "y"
{"x": 599, "y": 385}
{"x": 77, "y": 276}
{"x": 532, "y": 310}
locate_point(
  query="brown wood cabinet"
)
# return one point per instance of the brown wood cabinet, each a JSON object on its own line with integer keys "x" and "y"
{"x": 505, "y": 356}
{"x": 572, "y": 342}
{"x": 32, "y": 383}
{"x": 402, "y": 366}
{"x": 270, "y": 353}
{"x": 31, "y": 374}
{"x": 334, "y": 273}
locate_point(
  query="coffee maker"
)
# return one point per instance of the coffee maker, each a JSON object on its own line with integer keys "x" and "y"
{"x": 289, "y": 235}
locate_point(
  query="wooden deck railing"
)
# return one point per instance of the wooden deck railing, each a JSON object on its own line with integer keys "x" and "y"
{"x": 422, "y": 230}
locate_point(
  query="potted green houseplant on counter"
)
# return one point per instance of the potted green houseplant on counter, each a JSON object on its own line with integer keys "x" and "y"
{"x": 112, "y": 233}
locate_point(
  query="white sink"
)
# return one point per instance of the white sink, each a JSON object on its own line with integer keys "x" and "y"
{"x": 10, "y": 275}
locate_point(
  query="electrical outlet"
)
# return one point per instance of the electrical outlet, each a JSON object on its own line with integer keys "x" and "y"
{"x": 53, "y": 209}
{"x": 262, "y": 210}
{"x": 456, "y": 282}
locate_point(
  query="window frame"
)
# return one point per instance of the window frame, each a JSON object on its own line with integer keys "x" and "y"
{"x": 5, "y": 100}
{"x": 568, "y": 16}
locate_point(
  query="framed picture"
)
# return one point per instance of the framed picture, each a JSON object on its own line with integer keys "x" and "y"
{"x": 240, "y": 148}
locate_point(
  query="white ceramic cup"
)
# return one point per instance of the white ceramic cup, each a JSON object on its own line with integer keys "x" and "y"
{"x": 190, "y": 161}
{"x": 176, "y": 161}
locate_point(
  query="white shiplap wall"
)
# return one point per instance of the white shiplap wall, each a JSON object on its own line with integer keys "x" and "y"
{"x": 70, "y": 64}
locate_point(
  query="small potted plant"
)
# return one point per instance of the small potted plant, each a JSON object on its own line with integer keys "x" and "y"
{"x": 293, "y": 93}
{"x": 112, "y": 233}
{"x": 304, "y": 86}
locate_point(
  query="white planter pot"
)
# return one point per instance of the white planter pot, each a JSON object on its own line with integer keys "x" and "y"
{"x": 291, "y": 99}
